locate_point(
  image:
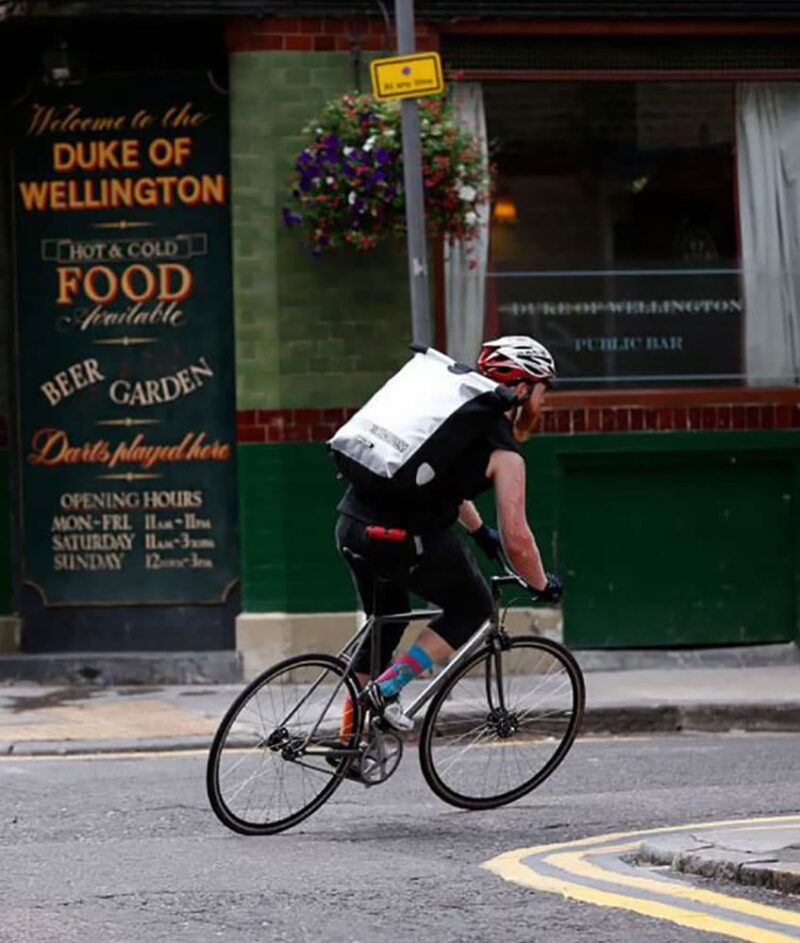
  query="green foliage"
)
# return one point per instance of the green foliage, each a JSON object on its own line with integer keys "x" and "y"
{"x": 347, "y": 185}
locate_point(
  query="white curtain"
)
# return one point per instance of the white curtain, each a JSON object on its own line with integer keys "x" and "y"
{"x": 768, "y": 156}
{"x": 465, "y": 287}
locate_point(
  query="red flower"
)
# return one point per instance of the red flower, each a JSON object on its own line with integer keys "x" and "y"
{"x": 349, "y": 121}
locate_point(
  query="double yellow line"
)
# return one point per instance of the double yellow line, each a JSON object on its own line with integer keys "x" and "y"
{"x": 567, "y": 869}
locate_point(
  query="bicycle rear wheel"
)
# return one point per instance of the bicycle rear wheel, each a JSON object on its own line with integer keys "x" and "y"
{"x": 277, "y": 755}
{"x": 502, "y": 724}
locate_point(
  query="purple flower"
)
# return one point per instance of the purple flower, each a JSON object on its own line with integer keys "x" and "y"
{"x": 290, "y": 219}
{"x": 382, "y": 156}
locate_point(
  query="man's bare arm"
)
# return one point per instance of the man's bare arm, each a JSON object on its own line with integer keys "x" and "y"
{"x": 468, "y": 516}
{"x": 507, "y": 471}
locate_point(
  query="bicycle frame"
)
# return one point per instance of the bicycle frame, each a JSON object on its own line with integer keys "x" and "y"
{"x": 488, "y": 630}
{"x": 465, "y": 705}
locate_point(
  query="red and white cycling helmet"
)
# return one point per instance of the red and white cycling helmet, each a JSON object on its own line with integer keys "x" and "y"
{"x": 516, "y": 359}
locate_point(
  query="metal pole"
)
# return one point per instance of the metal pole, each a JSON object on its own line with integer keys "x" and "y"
{"x": 412, "y": 182}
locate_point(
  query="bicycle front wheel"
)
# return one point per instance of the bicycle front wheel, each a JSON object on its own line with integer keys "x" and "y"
{"x": 502, "y": 724}
{"x": 278, "y": 754}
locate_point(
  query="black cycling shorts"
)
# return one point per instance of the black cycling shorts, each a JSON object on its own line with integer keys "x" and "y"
{"x": 445, "y": 574}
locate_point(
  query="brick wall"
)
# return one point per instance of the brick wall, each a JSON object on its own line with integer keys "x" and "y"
{"x": 309, "y": 332}
{"x": 574, "y": 414}
{"x": 313, "y": 337}
{"x": 342, "y": 34}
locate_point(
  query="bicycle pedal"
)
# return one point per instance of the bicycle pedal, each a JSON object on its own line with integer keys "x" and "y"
{"x": 372, "y": 698}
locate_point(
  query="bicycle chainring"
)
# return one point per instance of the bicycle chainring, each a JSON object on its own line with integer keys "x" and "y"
{"x": 381, "y": 756}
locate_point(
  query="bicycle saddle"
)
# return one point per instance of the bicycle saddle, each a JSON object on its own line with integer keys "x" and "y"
{"x": 361, "y": 567}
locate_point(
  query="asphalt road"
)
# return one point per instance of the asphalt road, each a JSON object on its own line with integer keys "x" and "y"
{"x": 125, "y": 848}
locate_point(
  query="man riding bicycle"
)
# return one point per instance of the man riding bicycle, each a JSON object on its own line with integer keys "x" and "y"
{"x": 426, "y": 557}
{"x": 430, "y": 440}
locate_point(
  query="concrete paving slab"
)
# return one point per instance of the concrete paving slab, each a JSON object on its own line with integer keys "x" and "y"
{"x": 226, "y": 667}
{"x": 760, "y": 856}
{"x": 121, "y": 668}
{"x": 33, "y": 716}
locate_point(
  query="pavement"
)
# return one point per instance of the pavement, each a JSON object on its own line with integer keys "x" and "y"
{"x": 79, "y": 718}
{"x": 672, "y": 694}
{"x": 759, "y": 856}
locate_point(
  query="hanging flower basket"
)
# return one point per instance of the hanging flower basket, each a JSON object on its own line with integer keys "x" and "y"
{"x": 347, "y": 185}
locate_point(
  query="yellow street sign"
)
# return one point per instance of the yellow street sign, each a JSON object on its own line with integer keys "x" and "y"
{"x": 407, "y": 76}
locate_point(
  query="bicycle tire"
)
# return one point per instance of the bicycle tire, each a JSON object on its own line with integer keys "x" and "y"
{"x": 288, "y": 690}
{"x": 460, "y": 720}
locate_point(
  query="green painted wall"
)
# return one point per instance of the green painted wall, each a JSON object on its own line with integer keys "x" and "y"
{"x": 291, "y": 563}
{"x": 662, "y": 539}
{"x": 680, "y": 544}
{"x": 309, "y": 332}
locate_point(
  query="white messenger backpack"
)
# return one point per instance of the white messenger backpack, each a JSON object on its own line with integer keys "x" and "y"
{"x": 416, "y": 425}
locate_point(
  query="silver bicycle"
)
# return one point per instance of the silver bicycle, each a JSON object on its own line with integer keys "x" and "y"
{"x": 501, "y": 716}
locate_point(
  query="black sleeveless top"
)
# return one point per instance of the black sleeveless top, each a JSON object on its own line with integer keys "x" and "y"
{"x": 464, "y": 480}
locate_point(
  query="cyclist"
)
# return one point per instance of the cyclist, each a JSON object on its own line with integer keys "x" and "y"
{"x": 427, "y": 558}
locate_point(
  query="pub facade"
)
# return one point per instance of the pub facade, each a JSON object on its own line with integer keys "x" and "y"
{"x": 176, "y": 361}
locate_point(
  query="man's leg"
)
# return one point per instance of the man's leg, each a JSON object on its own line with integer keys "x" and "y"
{"x": 378, "y": 597}
{"x": 448, "y": 576}
{"x": 385, "y": 598}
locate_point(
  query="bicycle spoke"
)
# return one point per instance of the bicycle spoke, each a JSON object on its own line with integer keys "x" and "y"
{"x": 455, "y": 757}
{"x": 259, "y": 777}
{"x": 477, "y": 753}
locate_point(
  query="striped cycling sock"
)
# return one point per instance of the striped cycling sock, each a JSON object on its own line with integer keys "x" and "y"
{"x": 403, "y": 670}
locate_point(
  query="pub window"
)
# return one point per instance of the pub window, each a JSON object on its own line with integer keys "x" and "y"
{"x": 648, "y": 232}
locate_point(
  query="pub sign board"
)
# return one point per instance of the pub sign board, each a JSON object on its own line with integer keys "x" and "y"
{"x": 664, "y": 327}
{"x": 125, "y": 342}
